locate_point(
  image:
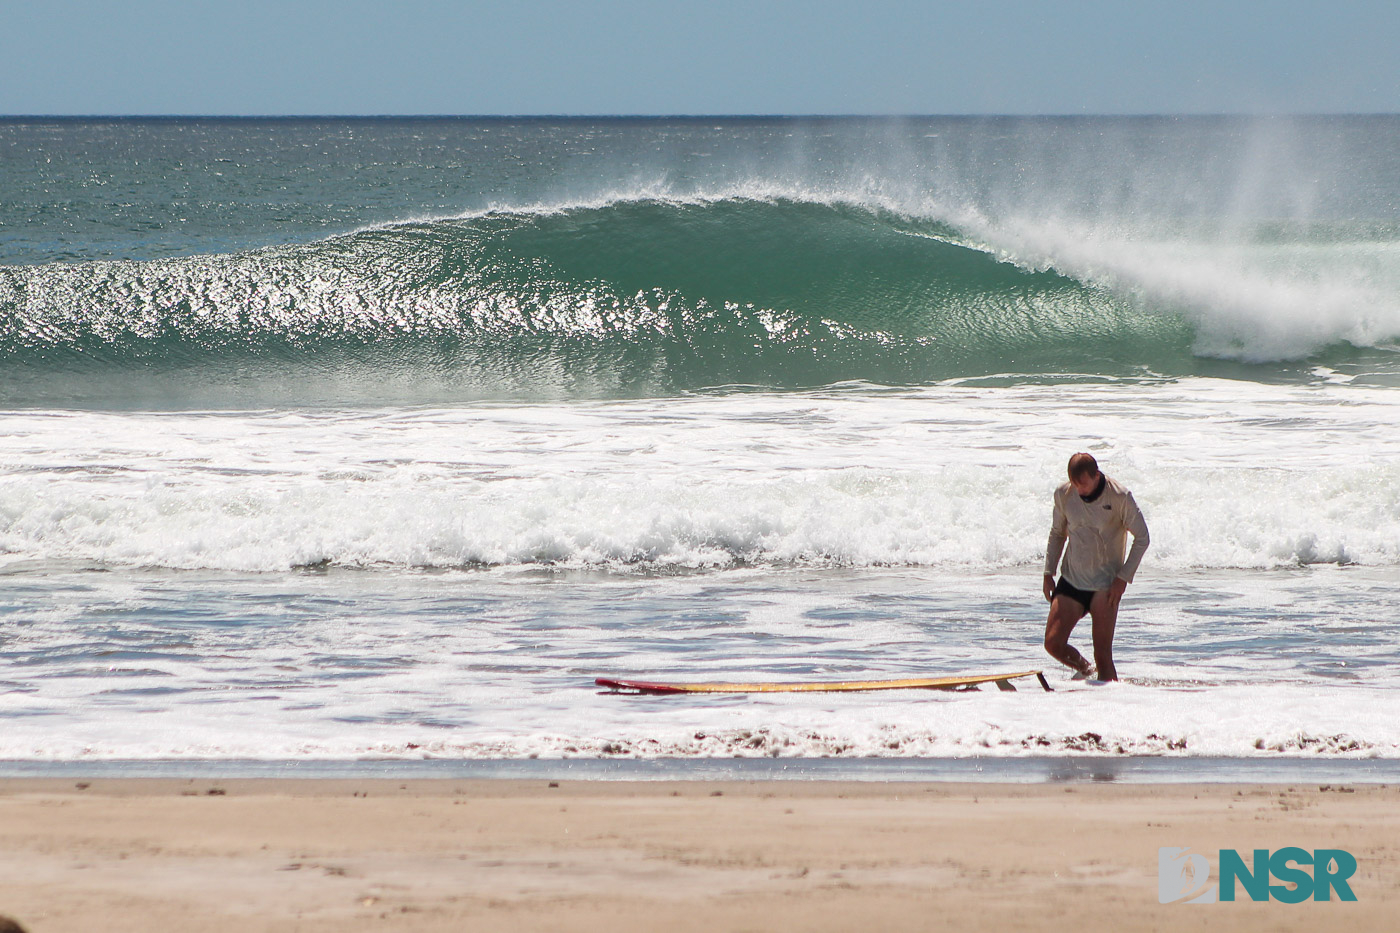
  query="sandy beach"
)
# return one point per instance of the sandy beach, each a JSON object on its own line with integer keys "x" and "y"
{"x": 346, "y": 855}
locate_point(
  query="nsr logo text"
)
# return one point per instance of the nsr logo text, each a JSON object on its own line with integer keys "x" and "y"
{"x": 1183, "y": 877}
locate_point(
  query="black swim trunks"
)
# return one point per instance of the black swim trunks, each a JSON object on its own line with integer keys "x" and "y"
{"x": 1065, "y": 588}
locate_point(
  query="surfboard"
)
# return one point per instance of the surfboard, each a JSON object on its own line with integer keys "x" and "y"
{"x": 1003, "y": 682}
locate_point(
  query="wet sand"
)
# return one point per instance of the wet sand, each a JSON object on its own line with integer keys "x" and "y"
{"x": 487, "y": 855}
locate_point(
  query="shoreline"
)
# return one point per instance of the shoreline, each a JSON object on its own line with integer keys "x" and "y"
{"x": 215, "y": 856}
{"x": 1030, "y": 770}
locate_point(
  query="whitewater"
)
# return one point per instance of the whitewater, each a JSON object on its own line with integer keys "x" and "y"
{"x": 364, "y": 440}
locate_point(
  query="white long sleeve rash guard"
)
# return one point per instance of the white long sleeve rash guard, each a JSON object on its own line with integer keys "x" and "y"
{"x": 1097, "y": 534}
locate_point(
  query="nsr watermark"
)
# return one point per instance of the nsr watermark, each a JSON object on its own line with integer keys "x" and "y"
{"x": 1183, "y": 876}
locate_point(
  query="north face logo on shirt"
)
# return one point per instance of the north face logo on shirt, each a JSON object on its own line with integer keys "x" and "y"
{"x": 1107, "y": 506}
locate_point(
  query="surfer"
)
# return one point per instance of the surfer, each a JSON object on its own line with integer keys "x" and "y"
{"x": 1095, "y": 515}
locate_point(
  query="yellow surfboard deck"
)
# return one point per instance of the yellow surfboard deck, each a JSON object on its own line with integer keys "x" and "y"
{"x": 821, "y": 686}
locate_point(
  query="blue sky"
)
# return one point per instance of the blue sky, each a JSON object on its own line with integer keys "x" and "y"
{"x": 636, "y": 57}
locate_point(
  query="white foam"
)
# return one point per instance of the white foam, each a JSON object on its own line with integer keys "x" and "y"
{"x": 1230, "y": 475}
{"x": 393, "y": 717}
{"x": 499, "y": 664}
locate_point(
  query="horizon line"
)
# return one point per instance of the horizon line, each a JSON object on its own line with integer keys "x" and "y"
{"x": 1157, "y": 115}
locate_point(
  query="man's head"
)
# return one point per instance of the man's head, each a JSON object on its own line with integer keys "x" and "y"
{"x": 1084, "y": 473}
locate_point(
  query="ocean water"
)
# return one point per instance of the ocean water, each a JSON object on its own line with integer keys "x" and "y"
{"x": 348, "y": 440}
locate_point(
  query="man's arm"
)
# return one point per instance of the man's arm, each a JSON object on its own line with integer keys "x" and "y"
{"x": 1137, "y": 527}
{"x": 1054, "y": 547}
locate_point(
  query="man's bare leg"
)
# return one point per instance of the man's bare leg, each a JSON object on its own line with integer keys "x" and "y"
{"x": 1064, "y": 613}
{"x": 1104, "y": 613}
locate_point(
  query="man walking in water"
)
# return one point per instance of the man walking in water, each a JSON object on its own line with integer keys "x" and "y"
{"x": 1095, "y": 514}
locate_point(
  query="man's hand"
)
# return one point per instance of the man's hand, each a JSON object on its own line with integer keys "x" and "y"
{"x": 1115, "y": 592}
{"x": 1049, "y": 587}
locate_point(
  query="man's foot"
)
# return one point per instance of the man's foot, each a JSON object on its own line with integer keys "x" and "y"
{"x": 1084, "y": 675}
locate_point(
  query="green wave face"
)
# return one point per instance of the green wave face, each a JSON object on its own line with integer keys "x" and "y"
{"x": 627, "y": 297}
